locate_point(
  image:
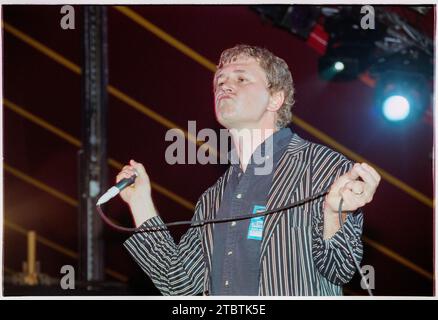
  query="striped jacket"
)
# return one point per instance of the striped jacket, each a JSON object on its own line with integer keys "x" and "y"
{"x": 294, "y": 257}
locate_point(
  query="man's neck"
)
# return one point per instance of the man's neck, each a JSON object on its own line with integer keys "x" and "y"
{"x": 246, "y": 142}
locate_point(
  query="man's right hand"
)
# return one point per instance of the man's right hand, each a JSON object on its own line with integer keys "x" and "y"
{"x": 138, "y": 195}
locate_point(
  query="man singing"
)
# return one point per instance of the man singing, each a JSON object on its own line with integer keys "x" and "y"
{"x": 298, "y": 251}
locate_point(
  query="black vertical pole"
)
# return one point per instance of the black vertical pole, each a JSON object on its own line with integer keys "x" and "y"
{"x": 93, "y": 155}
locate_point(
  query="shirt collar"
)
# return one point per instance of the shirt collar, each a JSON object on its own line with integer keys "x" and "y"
{"x": 272, "y": 146}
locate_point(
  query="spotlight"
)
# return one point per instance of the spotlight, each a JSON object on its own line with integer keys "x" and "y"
{"x": 339, "y": 66}
{"x": 403, "y": 87}
{"x": 401, "y": 97}
{"x": 396, "y": 108}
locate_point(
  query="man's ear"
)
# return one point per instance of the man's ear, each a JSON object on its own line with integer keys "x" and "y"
{"x": 276, "y": 101}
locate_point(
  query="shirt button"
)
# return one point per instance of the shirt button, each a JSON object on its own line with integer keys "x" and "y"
{"x": 239, "y": 196}
{"x": 230, "y": 253}
{"x": 233, "y": 223}
{"x": 227, "y": 283}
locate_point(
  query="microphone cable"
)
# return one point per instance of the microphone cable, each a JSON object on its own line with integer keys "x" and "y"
{"x": 356, "y": 263}
{"x": 199, "y": 223}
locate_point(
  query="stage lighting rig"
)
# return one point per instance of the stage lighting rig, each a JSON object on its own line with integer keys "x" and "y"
{"x": 393, "y": 52}
{"x": 297, "y": 19}
{"x": 349, "y": 48}
{"x": 358, "y": 49}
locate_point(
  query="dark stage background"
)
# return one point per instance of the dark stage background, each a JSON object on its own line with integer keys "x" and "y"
{"x": 42, "y": 94}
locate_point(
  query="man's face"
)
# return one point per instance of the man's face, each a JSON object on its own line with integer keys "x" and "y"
{"x": 241, "y": 94}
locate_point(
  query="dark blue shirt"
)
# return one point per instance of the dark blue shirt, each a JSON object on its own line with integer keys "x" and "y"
{"x": 236, "y": 244}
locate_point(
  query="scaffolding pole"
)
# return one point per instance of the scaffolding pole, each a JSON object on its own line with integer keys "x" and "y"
{"x": 93, "y": 155}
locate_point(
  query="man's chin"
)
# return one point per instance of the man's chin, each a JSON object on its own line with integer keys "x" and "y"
{"x": 227, "y": 120}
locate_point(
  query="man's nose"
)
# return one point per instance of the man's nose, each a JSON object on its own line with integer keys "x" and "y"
{"x": 227, "y": 87}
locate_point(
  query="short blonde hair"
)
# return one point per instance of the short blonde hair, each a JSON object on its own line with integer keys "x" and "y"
{"x": 277, "y": 73}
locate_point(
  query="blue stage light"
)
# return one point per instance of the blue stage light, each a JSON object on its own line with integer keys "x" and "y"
{"x": 402, "y": 97}
{"x": 396, "y": 108}
{"x": 339, "y": 66}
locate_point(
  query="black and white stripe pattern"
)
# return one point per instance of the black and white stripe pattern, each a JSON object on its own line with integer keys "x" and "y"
{"x": 294, "y": 258}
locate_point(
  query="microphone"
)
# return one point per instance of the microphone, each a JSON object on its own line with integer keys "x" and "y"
{"x": 115, "y": 190}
